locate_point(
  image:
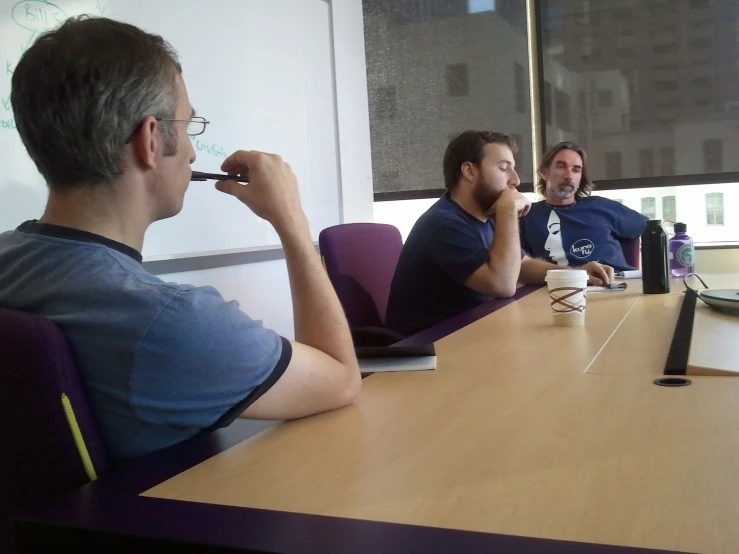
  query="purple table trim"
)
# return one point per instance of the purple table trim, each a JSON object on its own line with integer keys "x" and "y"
{"x": 111, "y": 507}
{"x": 441, "y": 330}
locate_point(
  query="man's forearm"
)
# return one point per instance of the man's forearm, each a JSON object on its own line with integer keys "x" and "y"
{"x": 505, "y": 253}
{"x": 533, "y": 272}
{"x": 319, "y": 318}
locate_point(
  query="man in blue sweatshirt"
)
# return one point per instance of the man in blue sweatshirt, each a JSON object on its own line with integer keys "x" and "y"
{"x": 569, "y": 227}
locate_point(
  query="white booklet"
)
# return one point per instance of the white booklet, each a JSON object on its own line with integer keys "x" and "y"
{"x": 375, "y": 359}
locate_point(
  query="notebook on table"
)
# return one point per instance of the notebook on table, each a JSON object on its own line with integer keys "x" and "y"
{"x": 374, "y": 359}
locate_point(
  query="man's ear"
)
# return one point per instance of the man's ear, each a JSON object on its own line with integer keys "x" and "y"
{"x": 469, "y": 171}
{"x": 146, "y": 143}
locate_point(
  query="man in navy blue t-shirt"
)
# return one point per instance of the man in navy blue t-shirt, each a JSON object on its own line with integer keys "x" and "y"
{"x": 456, "y": 256}
{"x": 570, "y": 227}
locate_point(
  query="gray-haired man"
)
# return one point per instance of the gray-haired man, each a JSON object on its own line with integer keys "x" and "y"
{"x": 104, "y": 113}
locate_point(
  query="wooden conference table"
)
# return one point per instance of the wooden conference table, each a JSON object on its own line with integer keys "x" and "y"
{"x": 527, "y": 438}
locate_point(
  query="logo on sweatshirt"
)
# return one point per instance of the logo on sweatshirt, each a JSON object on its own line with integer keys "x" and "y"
{"x": 582, "y": 249}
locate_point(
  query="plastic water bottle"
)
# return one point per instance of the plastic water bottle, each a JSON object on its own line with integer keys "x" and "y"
{"x": 655, "y": 273}
{"x": 682, "y": 252}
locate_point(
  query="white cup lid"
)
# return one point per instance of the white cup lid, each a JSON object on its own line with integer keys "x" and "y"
{"x": 566, "y": 275}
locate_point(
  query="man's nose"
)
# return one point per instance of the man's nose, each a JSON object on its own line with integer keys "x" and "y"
{"x": 514, "y": 181}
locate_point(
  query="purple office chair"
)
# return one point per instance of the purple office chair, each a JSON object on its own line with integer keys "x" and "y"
{"x": 48, "y": 437}
{"x": 632, "y": 254}
{"x": 360, "y": 260}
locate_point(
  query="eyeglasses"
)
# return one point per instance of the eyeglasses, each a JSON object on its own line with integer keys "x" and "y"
{"x": 195, "y": 126}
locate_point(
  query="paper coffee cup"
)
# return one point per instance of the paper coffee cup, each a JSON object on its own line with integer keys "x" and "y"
{"x": 567, "y": 296}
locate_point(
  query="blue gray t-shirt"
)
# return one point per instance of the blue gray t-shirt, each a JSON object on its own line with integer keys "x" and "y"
{"x": 445, "y": 247}
{"x": 160, "y": 361}
{"x": 583, "y": 232}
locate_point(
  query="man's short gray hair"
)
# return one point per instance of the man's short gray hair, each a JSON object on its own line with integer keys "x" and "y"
{"x": 81, "y": 90}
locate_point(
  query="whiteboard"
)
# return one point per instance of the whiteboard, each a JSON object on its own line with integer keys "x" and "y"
{"x": 261, "y": 71}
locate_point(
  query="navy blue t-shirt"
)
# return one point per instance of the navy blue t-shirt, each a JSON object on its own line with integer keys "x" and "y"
{"x": 582, "y": 232}
{"x": 445, "y": 247}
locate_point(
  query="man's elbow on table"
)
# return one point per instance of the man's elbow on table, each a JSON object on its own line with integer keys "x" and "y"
{"x": 313, "y": 383}
{"x": 486, "y": 281}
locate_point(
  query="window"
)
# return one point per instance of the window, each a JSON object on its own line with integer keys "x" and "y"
{"x": 661, "y": 8}
{"x": 457, "y": 80}
{"x": 660, "y": 96}
{"x": 521, "y": 88}
{"x": 625, "y": 40}
{"x": 556, "y": 15}
{"x": 613, "y": 165}
{"x": 713, "y": 156}
{"x": 663, "y": 40}
{"x": 386, "y": 103}
{"x": 548, "y": 103}
{"x": 669, "y": 103}
{"x": 667, "y": 160}
{"x": 649, "y": 88}
{"x": 646, "y": 162}
{"x": 476, "y": 6}
{"x": 586, "y": 47}
{"x": 583, "y": 14}
{"x": 649, "y": 207}
{"x": 433, "y": 69}
{"x": 703, "y": 75}
{"x": 665, "y": 86}
{"x": 705, "y": 29}
{"x": 668, "y": 73}
{"x": 701, "y": 36}
{"x": 625, "y": 46}
{"x": 519, "y": 156}
{"x": 715, "y": 208}
{"x": 605, "y": 98}
{"x": 701, "y": 42}
{"x": 668, "y": 209}
{"x": 623, "y": 10}
{"x": 666, "y": 115}
{"x": 562, "y": 108}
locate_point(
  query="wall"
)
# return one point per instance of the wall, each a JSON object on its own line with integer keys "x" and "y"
{"x": 262, "y": 289}
{"x": 722, "y": 260}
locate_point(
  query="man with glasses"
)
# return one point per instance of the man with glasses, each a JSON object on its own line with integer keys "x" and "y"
{"x": 571, "y": 228}
{"x": 103, "y": 112}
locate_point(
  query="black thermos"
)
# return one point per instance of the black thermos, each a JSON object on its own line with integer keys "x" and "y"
{"x": 655, "y": 272}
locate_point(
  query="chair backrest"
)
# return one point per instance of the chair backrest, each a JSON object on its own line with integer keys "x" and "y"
{"x": 360, "y": 259}
{"x": 631, "y": 250}
{"x": 50, "y": 442}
